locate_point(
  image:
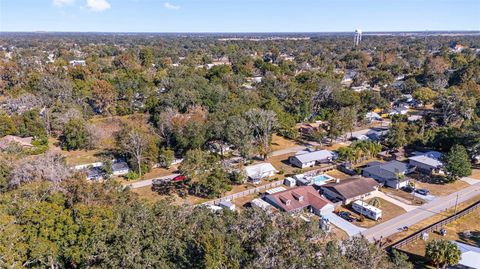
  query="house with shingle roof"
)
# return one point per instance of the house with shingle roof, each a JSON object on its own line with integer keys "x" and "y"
{"x": 300, "y": 198}
{"x": 350, "y": 189}
{"x": 391, "y": 174}
{"x": 307, "y": 159}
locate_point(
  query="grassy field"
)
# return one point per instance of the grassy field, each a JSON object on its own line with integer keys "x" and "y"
{"x": 420, "y": 225}
{"x": 389, "y": 211}
{"x": 455, "y": 231}
{"x": 280, "y": 142}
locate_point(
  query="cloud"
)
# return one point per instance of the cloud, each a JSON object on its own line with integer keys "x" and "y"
{"x": 98, "y": 5}
{"x": 60, "y": 3}
{"x": 171, "y": 6}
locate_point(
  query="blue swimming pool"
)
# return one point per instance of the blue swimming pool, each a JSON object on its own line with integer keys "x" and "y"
{"x": 321, "y": 179}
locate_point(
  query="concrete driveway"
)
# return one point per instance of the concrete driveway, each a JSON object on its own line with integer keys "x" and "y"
{"x": 394, "y": 201}
{"x": 346, "y": 226}
{"x": 427, "y": 198}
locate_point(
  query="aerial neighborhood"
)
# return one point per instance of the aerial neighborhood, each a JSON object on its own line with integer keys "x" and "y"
{"x": 189, "y": 151}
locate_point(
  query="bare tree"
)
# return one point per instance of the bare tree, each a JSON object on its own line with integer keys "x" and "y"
{"x": 49, "y": 167}
{"x": 262, "y": 122}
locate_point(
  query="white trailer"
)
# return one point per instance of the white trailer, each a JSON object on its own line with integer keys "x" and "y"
{"x": 367, "y": 210}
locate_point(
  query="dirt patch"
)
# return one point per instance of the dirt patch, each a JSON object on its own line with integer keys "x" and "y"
{"x": 147, "y": 194}
{"x": 280, "y": 142}
{"x": 475, "y": 174}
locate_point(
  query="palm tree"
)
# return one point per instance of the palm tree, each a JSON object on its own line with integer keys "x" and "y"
{"x": 442, "y": 253}
{"x": 375, "y": 202}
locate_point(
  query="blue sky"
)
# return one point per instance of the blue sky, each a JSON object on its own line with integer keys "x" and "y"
{"x": 238, "y": 15}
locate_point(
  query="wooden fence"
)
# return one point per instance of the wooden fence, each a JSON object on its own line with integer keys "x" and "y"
{"x": 265, "y": 187}
{"x": 435, "y": 227}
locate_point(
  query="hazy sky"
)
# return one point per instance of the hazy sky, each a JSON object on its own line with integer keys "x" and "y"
{"x": 238, "y": 15}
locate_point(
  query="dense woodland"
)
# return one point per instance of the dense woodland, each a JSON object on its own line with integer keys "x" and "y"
{"x": 175, "y": 96}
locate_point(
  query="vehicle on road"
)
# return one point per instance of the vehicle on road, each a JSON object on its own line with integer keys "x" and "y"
{"x": 346, "y": 216}
{"x": 408, "y": 189}
{"x": 422, "y": 191}
{"x": 179, "y": 178}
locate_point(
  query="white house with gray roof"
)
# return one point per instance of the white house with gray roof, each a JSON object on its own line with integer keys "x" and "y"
{"x": 308, "y": 159}
{"x": 427, "y": 162}
{"x": 257, "y": 172}
{"x": 391, "y": 174}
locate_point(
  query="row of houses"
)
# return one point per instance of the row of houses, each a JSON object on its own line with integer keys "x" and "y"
{"x": 394, "y": 173}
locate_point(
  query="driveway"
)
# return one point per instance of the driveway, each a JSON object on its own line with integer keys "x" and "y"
{"x": 346, "y": 226}
{"x": 427, "y": 198}
{"x": 394, "y": 201}
{"x": 147, "y": 182}
{"x": 470, "y": 181}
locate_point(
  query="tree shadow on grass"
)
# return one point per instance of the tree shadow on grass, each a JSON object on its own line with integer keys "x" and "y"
{"x": 470, "y": 237}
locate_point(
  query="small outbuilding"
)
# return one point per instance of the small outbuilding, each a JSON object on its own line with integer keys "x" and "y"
{"x": 290, "y": 182}
{"x": 227, "y": 205}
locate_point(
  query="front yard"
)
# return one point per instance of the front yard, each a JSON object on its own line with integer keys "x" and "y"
{"x": 389, "y": 211}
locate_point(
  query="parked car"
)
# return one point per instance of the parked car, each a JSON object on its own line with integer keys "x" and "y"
{"x": 408, "y": 189}
{"x": 346, "y": 216}
{"x": 179, "y": 178}
{"x": 422, "y": 191}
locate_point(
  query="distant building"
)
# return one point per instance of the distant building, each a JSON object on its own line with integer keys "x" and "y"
{"x": 120, "y": 168}
{"x": 95, "y": 173}
{"x": 391, "y": 174}
{"x": 257, "y": 172}
{"x": 300, "y": 198}
{"x": 427, "y": 162}
{"x": 227, "y": 205}
{"x": 11, "y": 140}
{"x": 78, "y": 63}
{"x": 307, "y": 159}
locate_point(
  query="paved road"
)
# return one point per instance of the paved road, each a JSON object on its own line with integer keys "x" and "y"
{"x": 346, "y": 226}
{"x": 427, "y": 210}
{"x": 148, "y": 182}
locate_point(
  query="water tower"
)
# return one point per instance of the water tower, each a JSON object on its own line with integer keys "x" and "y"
{"x": 358, "y": 37}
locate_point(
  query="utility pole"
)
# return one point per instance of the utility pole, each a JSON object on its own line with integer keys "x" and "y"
{"x": 456, "y": 203}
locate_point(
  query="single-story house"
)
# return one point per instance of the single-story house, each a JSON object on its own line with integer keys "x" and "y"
{"x": 371, "y": 116}
{"x": 401, "y": 110}
{"x": 9, "y": 140}
{"x": 470, "y": 257}
{"x": 427, "y": 162}
{"x": 227, "y": 204}
{"x": 95, "y": 173}
{"x": 351, "y": 189}
{"x": 391, "y": 174}
{"x": 307, "y": 159}
{"x": 300, "y": 198}
{"x": 257, "y": 172}
{"x": 120, "y": 168}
